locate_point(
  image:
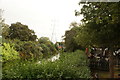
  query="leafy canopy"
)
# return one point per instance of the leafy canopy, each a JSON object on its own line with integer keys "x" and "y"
{"x": 20, "y": 31}
{"x": 100, "y": 24}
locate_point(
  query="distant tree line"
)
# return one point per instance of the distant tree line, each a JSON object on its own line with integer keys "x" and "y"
{"x": 24, "y": 40}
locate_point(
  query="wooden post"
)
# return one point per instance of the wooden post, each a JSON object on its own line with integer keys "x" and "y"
{"x": 111, "y": 64}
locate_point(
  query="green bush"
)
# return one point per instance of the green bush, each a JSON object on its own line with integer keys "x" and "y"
{"x": 75, "y": 64}
{"x": 8, "y": 52}
{"x": 27, "y": 49}
{"x": 70, "y": 65}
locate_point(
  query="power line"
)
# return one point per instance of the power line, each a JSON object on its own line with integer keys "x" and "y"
{"x": 53, "y": 25}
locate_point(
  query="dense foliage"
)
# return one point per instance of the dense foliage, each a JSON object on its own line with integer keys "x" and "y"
{"x": 25, "y": 41}
{"x": 100, "y": 27}
{"x": 21, "y": 32}
{"x": 28, "y": 49}
{"x": 70, "y": 65}
{"x": 70, "y": 43}
{"x": 101, "y": 24}
{"x": 48, "y": 48}
{"x": 8, "y": 52}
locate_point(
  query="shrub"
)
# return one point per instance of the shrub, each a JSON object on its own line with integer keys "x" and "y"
{"x": 75, "y": 64}
{"x": 8, "y": 52}
{"x": 70, "y": 65}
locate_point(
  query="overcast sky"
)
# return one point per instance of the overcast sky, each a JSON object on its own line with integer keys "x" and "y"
{"x": 42, "y": 15}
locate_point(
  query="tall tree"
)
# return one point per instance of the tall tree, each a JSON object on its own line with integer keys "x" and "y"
{"x": 48, "y": 48}
{"x": 101, "y": 26}
{"x": 70, "y": 42}
{"x": 21, "y": 32}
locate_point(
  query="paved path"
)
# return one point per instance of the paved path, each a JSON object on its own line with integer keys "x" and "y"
{"x": 53, "y": 58}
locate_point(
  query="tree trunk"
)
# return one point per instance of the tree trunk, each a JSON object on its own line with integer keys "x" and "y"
{"x": 111, "y": 64}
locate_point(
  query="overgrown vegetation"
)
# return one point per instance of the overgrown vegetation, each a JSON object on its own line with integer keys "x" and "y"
{"x": 70, "y": 65}
{"x": 8, "y": 52}
{"x": 99, "y": 28}
{"x": 21, "y": 53}
{"x": 21, "y": 49}
{"x": 26, "y": 43}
